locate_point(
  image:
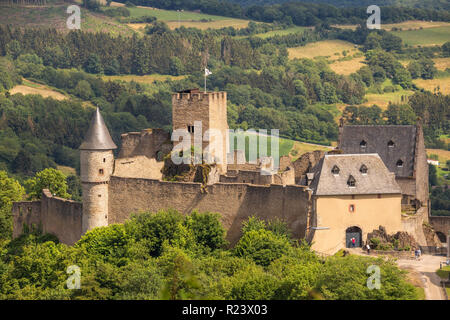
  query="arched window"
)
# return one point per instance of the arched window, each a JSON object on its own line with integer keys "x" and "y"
{"x": 351, "y": 181}
{"x": 391, "y": 144}
{"x": 363, "y": 144}
{"x": 335, "y": 170}
{"x": 400, "y": 163}
{"x": 363, "y": 169}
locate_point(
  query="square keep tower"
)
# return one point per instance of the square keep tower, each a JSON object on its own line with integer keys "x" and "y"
{"x": 191, "y": 107}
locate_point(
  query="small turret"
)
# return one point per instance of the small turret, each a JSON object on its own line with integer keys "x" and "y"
{"x": 96, "y": 166}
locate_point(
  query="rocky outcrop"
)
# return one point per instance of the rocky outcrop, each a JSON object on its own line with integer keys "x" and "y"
{"x": 379, "y": 239}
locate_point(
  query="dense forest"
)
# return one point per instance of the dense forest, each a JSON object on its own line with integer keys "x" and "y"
{"x": 298, "y": 13}
{"x": 425, "y": 4}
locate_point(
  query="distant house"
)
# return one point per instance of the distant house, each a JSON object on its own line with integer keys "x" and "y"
{"x": 353, "y": 194}
{"x": 433, "y": 162}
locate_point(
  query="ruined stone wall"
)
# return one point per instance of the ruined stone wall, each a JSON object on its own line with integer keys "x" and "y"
{"x": 413, "y": 224}
{"x": 440, "y": 224}
{"x": 235, "y": 202}
{"x": 147, "y": 143}
{"x": 54, "y": 215}
{"x": 421, "y": 168}
{"x": 246, "y": 176}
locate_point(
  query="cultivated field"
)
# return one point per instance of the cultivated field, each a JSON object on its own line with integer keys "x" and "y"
{"x": 426, "y": 36}
{"x": 442, "y": 83}
{"x": 333, "y": 52}
{"x": 442, "y": 63}
{"x": 347, "y": 67}
{"x": 283, "y": 32}
{"x": 331, "y": 49}
{"x": 28, "y": 87}
{"x": 412, "y": 24}
{"x": 382, "y": 100}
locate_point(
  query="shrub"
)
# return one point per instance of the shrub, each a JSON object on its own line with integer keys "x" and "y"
{"x": 262, "y": 246}
{"x": 207, "y": 229}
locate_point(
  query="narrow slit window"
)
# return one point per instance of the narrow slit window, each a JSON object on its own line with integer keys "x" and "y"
{"x": 351, "y": 208}
{"x": 400, "y": 163}
{"x": 191, "y": 129}
{"x": 101, "y": 171}
{"x": 391, "y": 144}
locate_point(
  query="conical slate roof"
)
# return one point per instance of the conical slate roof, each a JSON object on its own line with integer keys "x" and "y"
{"x": 97, "y": 137}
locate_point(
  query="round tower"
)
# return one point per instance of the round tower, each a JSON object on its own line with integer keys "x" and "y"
{"x": 96, "y": 167}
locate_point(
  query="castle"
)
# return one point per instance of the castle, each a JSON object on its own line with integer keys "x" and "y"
{"x": 326, "y": 201}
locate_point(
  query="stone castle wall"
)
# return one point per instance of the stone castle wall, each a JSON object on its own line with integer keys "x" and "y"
{"x": 235, "y": 202}
{"x": 440, "y": 224}
{"x": 53, "y": 215}
{"x": 421, "y": 168}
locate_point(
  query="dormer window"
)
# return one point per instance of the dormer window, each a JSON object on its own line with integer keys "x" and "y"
{"x": 363, "y": 144}
{"x": 400, "y": 163}
{"x": 391, "y": 144}
{"x": 351, "y": 181}
{"x": 363, "y": 169}
{"x": 335, "y": 170}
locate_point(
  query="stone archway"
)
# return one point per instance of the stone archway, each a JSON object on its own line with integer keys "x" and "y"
{"x": 353, "y": 232}
{"x": 442, "y": 237}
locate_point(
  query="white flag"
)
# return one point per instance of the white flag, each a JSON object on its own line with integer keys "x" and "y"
{"x": 207, "y": 72}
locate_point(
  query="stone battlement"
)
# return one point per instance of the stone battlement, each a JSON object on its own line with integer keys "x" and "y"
{"x": 199, "y": 96}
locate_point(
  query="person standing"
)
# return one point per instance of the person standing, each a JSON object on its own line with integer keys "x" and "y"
{"x": 353, "y": 242}
{"x": 368, "y": 248}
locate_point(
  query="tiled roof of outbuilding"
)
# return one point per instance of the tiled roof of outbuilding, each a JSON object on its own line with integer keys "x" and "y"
{"x": 391, "y": 142}
{"x": 377, "y": 180}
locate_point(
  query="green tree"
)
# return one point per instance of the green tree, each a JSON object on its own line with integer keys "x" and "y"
{"x": 51, "y": 179}
{"x": 261, "y": 246}
{"x": 10, "y": 191}
{"x": 84, "y": 90}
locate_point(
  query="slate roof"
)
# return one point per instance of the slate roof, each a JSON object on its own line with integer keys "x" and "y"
{"x": 378, "y": 179}
{"x": 98, "y": 137}
{"x": 377, "y": 139}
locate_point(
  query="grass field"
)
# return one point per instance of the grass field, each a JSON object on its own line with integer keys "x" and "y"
{"x": 382, "y": 100}
{"x": 300, "y": 148}
{"x": 430, "y": 85}
{"x": 347, "y": 67}
{"x": 426, "y": 36}
{"x": 287, "y": 147}
{"x": 442, "y": 63}
{"x": 444, "y": 272}
{"x": 412, "y": 24}
{"x": 282, "y": 32}
{"x": 175, "y": 19}
{"x": 68, "y": 171}
{"x": 28, "y": 87}
{"x": 330, "y": 49}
